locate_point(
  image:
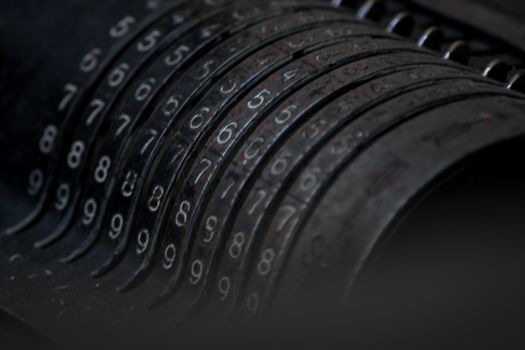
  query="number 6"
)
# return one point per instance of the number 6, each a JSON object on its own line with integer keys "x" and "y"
{"x": 227, "y": 133}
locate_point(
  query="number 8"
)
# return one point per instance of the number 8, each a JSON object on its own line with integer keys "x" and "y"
{"x": 237, "y": 245}
{"x": 101, "y": 173}
{"x": 48, "y": 139}
{"x": 265, "y": 264}
{"x": 182, "y": 214}
{"x": 75, "y": 155}
{"x": 156, "y": 198}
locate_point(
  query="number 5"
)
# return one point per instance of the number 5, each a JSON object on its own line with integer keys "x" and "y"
{"x": 259, "y": 99}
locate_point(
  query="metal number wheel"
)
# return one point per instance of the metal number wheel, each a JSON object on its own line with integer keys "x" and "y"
{"x": 166, "y": 163}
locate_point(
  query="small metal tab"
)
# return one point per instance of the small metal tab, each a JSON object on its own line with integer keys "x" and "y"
{"x": 497, "y": 69}
{"x": 432, "y": 39}
{"x": 371, "y": 9}
{"x": 517, "y": 82}
{"x": 459, "y": 52}
{"x": 402, "y": 24}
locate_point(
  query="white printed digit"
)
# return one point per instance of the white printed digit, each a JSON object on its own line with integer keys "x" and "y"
{"x": 197, "y": 270}
{"x": 224, "y": 286}
{"x": 90, "y": 211}
{"x": 126, "y": 119}
{"x": 47, "y": 142}
{"x": 182, "y": 215}
{"x": 117, "y": 224}
{"x": 237, "y": 245}
{"x": 122, "y": 28}
{"x": 62, "y": 197}
{"x": 142, "y": 241}
{"x": 265, "y": 263}
{"x": 170, "y": 254}
{"x": 227, "y": 133}
{"x": 259, "y": 99}
{"x": 156, "y": 199}
{"x": 76, "y": 153}
{"x": 176, "y": 56}
{"x": 128, "y": 186}
{"x": 211, "y": 225}
{"x": 36, "y": 182}
{"x": 206, "y": 163}
{"x": 149, "y": 41}
{"x": 90, "y": 61}
{"x": 97, "y": 105}
{"x": 102, "y": 171}
{"x": 70, "y": 91}
{"x": 118, "y": 75}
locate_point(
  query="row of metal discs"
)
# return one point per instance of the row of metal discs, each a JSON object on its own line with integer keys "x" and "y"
{"x": 206, "y": 133}
{"x": 433, "y": 36}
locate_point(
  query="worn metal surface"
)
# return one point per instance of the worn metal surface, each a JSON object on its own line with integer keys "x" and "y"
{"x": 168, "y": 160}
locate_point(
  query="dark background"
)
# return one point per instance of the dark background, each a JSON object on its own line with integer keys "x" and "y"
{"x": 514, "y": 8}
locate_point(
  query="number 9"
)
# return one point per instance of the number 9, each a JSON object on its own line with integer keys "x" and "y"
{"x": 197, "y": 269}
{"x": 170, "y": 254}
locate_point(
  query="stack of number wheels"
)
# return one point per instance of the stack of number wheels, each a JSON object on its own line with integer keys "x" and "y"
{"x": 218, "y": 156}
